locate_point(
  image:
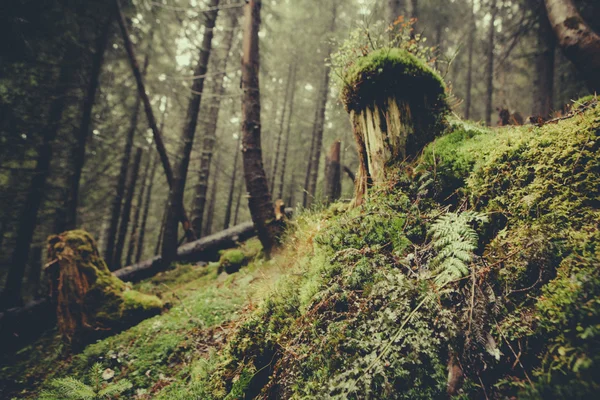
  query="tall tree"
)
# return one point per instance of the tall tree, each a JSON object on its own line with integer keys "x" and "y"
{"x": 86, "y": 122}
{"x": 259, "y": 198}
{"x": 175, "y": 201}
{"x": 232, "y": 185}
{"x": 579, "y": 42}
{"x": 333, "y": 172}
{"x": 288, "y": 129}
{"x": 135, "y": 226}
{"x": 490, "y": 64}
{"x": 212, "y": 201}
{"x": 149, "y": 185}
{"x": 11, "y": 296}
{"x": 395, "y": 8}
{"x": 209, "y": 135}
{"x": 286, "y": 98}
{"x": 156, "y": 134}
{"x": 544, "y": 64}
{"x": 470, "y": 46}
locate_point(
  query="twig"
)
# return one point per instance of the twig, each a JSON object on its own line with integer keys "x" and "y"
{"x": 515, "y": 354}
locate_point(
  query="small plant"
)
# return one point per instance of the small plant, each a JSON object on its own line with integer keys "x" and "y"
{"x": 99, "y": 387}
{"x": 454, "y": 240}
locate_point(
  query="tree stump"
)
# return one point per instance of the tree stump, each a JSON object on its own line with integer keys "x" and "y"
{"x": 397, "y": 104}
{"x": 89, "y": 299}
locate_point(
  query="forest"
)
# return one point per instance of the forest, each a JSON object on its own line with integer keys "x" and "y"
{"x": 299, "y": 199}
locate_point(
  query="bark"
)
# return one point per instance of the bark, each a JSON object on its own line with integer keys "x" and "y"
{"x": 286, "y": 97}
{"x": 544, "y": 83}
{"x": 210, "y": 212}
{"x": 117, "y": 203}
{"x": 86, "y": 122}
{"x": 471, "y": 46}
{"x": 11, "y": 296}
{"x": 333, "y": 173}
{"x": 490, "y": 66}
{"x": 579, "y": 42}
{"x": 175, "y": 201}
{"x": 158, "y": 141}
{"x": 395, "y": 8}
{"x": 147, "y": 202}
{"x": 232, "y": 185}
{"x": 210, "y": 131}
{"x": 126, "y": 214}
{"x": 288, "y": 129}
{"x": 306, "y": 197}
{"x": 135, "y": 226}
{"x": 259, "y": 198}
{"x": 414, "y": 14}
{"x": 238, "y": 203}
{"x": 320, "y": 118}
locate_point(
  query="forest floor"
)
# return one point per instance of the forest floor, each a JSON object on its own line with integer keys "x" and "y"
{"x": 475, "y": 272}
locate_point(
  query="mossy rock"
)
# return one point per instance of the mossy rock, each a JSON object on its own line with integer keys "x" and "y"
{"x": 89, "y": 298}
{"x": 232, "y": 260}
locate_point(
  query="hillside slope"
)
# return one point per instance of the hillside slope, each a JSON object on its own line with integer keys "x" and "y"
{"x": 474, "y": 272}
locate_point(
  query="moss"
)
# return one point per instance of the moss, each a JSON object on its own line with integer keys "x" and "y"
{"x": 232, "y": 260}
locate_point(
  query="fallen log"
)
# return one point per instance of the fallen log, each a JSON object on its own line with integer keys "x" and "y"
{"x": 20, "y": 325}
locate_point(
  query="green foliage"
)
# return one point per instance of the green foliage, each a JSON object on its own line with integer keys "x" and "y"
{"x": 72, "y": 389}
{"x": 454, "y": 241}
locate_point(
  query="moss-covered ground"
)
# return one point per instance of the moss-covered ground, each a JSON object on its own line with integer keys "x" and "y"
{"x": 481, "y": 257}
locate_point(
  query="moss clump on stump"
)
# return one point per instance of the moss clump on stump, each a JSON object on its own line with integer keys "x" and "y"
{"x": 397, "y": 105}
{"x": 89, "y": 298}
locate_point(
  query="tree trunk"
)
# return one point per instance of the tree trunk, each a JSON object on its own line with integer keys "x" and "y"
{"x": 149, "y": 184}
{"x": 580, "y": 44}
{"x": 232, "y": 185}
{"x": 471, "y": 46}
{"x": 86, "y": 122}
{"x": 126, "y": 214}
{"x": 210, "y": 133}
{"x": 306, "y": 196}
{"x": 395, "y": 8}
{"x": 238, "y": 202}
{"x": 160, "y": 145}
{"x": 135, "y": 227}
{"x": 210, "y": 212}
{"x": 287, "y": 136}
{"x": 286, "y": 97}
{"x": 117, "y": 203}
{"x": 490, "y": 66}
{"x": 259, "y": 198}
{"x": 333, "y": 173}
{"x": 11, "y": 296}
{"x": 543, "y": 99}
{"x": 414, "y": 14}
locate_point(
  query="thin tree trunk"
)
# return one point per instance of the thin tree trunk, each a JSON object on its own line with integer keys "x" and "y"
{"x": 395, "y": 8}
{"x": 490, "y": 66}
{"x": 238, "y": 202}
{"x": 471, "y": 46}
{"x": 142, "y": 234}
{"x": 544, "y": 83}
{"x": 414, "y": 14}
{"x": 286, "y": 97}
{"x": 579, "y": 42}
{"x": 210, "y": 132}
{"x": 126, "y": 214}
{"x": 11, "y": 296}
{"x": 160, "y": 145}
{"x": 287, "y": 136}
{"x": 333, "y": 173}
{"x": 292, "y": 190}
{"x": 86, "y": 122}
{"x": 232, "y": 185}
{"x": 133, "y": 237}
{"x": 306, "y": 196}
{"x": 210, "y": 214}
{"x": 161, "y": 233}
{"x": 259, "y": 198}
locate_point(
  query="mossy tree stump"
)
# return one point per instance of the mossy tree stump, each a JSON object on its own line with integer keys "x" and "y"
{"x": 397, "y": 104}
{"x": 89, "y": 299}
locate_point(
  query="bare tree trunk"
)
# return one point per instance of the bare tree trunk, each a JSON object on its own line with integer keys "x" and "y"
{"x": 210, "y": 132}
{"x": 580, "y": 44}
{"x": 395, "y": 8}
{"x": 544, "y": 83}
{"x": 175, "y": 202}
{"x": 471, "y": 46}
{"x": 86, "y": 122}
{"x": 160, "y": 145}
{"x": 135, "y": 226}
{"x": 286, "y": 97}
{"x": 11, "y": 295}
{"x": 414, "y": 13}
{"x": 333, "y": 173}
{"x": 149, "y": 184}
{"x": 238, "y": 202}
{"x": 232, "y": 185}
{"x": 259, "y": 198}
{"x": 287, "y": 136}
{"x": 126, "y": 214}
{"x": 210, "y": 212}
{"x": 306, "y": 196}
{"x": 490, "y": 66}
{"x": 117, "y": 203}
{"x": 160, "y": 233}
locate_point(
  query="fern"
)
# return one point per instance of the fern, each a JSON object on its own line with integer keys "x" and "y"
{"x": 454, "y": 241}
{"x": 74, "y": 389}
